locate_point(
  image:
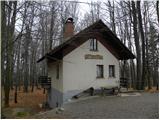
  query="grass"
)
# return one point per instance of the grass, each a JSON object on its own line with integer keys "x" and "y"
{"x": 21, "y": 114}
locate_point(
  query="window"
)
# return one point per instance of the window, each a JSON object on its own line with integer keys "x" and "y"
{"x": 57, "y": 71}
{"x": 93, "y": 45}
{"x": 111, "y": 71}
{"x": 99, "y": 71}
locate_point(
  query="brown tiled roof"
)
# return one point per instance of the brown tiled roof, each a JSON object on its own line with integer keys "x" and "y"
{"x": 96, "y": 30}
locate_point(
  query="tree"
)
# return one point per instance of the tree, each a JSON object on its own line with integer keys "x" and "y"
{"x": 137, "y": 45}
{"x": 112, "y": 15}
{"x": 153, "y": 53}
{"x": 140, "y": 24}
{"x": 52, "y": 24}
{"x": 9, "y": 18}
{"x": 157, "y": 8}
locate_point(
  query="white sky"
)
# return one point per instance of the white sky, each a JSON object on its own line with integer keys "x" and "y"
{"x": 84, "y": 7}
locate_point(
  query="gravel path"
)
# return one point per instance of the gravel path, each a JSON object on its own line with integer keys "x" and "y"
{"x": 143, "y": 106}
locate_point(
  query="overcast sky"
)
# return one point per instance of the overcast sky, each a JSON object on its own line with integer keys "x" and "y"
{"x": 84, "y": 7}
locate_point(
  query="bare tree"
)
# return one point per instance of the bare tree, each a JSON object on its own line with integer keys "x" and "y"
{"x": 157, "y": 8}
{"x": 9, "y": 18}
{"x": 137, "y": 45}
{"x": 140, "y": 24}
{"x": 112, "y": 15}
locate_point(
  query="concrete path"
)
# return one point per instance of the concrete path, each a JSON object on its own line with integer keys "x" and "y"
{"x": 139, "y": 105}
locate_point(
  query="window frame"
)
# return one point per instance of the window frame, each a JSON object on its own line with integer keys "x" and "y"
{"x": 57, "y": 71}
{"x": 112, "y": 68}
{"x": 93, "y": 44}
{"x": 101, "y": 69}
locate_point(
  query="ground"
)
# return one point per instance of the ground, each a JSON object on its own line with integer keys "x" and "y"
{"x": 28, "y": 103}
{"x": 143, "y": 105}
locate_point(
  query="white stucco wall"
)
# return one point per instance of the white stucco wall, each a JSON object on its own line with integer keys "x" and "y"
{"x": 56, "y": 83}
{"x": 55, "y": 94}
{"x": 80, "y": 73}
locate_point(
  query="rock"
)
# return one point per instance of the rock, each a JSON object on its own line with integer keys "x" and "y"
{"x": 61, "y": 109}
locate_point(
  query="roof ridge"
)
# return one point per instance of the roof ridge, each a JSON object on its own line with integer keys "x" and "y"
{"x": 102, "y": 29}
{"x": 69, "y": 39}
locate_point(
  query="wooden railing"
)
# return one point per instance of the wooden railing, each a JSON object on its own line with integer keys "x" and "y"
{"x": 45, "y": 81}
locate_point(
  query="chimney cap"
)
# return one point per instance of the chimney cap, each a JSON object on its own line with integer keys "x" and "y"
{"x": 69, "y": 20}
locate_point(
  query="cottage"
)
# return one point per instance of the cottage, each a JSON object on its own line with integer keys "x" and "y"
{"x": 87, "y": 59}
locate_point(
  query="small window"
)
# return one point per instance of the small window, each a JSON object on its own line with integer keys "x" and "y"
{"x": 99, "y": 71}
{"x": 93, "y": 45}
{"x": 57, "y": 71}
{"x": 111, "y": 71}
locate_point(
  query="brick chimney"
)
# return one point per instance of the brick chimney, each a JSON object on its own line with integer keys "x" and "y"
{"x": 68, "y": 28}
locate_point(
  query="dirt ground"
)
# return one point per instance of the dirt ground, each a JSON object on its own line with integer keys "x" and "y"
{"x": 28, "y": 104}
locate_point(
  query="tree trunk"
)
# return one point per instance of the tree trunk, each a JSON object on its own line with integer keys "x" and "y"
{"x": 26, "y": 73}
{"x": 157, "y": 8}
{"x": 15, "y": 98}
{"x": 51, "y": 26}
{"x": 147, "y": 47}
{"x": 143, "y": 44}
{"x": 112, "y": 16}
{"x": 10, "y": 31}
{"x": 3, "y": 44}
{"x": 137, "y": 44}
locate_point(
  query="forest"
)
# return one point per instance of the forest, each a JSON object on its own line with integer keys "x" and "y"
{"x": 29, "y": 29}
